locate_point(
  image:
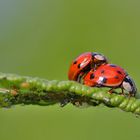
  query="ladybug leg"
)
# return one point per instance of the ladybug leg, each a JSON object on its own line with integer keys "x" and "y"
{"x": 131, "y": 95}
{"x": 122, "y": 91}
{"x": 79, "y": 79}
{"x": 111, "y": 90}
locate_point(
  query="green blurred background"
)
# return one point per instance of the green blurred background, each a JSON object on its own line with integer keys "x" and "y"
{"x": 41, "y": 38}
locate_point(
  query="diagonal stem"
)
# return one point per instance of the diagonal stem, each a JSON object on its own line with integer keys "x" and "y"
{"x": 15, "y": 89}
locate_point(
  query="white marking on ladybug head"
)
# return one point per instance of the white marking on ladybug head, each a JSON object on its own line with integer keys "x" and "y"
{"x": 99, "y": 57}
{"x": 127, "y": 86}
{"x": 84, "y": 62}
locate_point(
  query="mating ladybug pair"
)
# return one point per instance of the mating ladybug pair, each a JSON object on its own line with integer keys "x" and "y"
{"x": 93, "y": 69}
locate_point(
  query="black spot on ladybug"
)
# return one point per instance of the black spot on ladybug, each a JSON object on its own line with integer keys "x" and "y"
{"x": 75, "y": 62}
{"x": 119, "y": 72}
{"x": 112, "y": 65}
{"x": 102, "y": 71}
{"x": 116, "y": 77}
{"x": 78, "y": 66}
{"x": 104, "y": 80}
{"x": 92, "y": 76}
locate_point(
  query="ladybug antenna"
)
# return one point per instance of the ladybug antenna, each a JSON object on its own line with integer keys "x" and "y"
{"x": 129, "y": 85}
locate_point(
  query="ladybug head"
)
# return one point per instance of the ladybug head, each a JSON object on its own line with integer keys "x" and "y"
{"x": 99, "y": 59}
{"x": 129, "y": 85}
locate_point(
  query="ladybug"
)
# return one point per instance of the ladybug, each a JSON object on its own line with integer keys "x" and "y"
{"x": 83, "y": 64}
{"x": 110, "y": 75}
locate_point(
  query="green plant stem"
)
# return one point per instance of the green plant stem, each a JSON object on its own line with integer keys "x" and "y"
{"x": 15, "y": 89}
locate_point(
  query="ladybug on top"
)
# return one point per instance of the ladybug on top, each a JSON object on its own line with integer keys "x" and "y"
{"x": 93, "y": 69}
{"x": 84, "y": 63}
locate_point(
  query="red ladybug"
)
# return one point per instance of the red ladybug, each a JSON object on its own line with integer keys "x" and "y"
{"x": 83, "y": 63}
{"x": 110, "y": 75}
